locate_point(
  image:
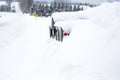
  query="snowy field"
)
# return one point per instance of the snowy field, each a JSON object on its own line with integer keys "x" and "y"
{"x": 91, "y": 52}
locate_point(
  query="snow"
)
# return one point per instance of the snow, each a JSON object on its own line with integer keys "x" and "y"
{"x": 3, "y": 3}
{"x": 106, "y": 10}
{"x": 91, "y": 52}
{"x": 15, "y": 4}
{"x": 68, "y": 16}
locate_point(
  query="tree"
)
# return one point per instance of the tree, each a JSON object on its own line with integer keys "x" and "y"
{"x": 25, "y": 5}
{"x": 9, "y": 5}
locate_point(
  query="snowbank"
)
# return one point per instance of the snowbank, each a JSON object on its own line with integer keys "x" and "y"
{"x": 91, "y": 52}
{"x": 106, "y": 15}
{"x": 17, "y": 6}
{"x": 7, "y": 32}
{"x": 68, "y": 16}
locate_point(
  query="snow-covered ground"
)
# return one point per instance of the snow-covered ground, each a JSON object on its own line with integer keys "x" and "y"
{"x": 91, "y": 52}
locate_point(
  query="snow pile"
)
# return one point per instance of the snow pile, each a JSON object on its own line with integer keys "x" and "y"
{"x": 9, "y": 33}
{"x": 68, "y": 16}
{"x": 106, "y": 15}
{"x": 91, "y": 52}
{"x": 16, "y": 5}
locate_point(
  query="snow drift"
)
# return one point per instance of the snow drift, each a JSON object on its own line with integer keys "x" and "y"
{"x": 68, "y": 16}
{"x": 106, "y": 15}
{"x": 91, "y": 52}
